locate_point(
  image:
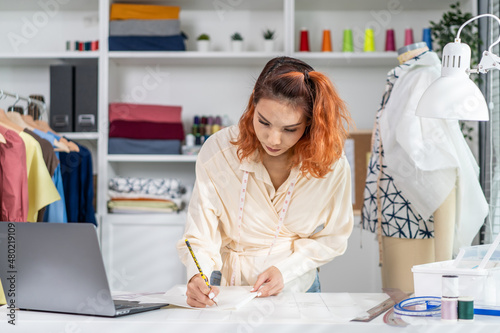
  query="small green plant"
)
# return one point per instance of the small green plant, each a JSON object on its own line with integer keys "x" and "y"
{"x": 268, "y": 34}
{"x": 445, "y": 31}
{"x": 236, "y": 36}
{"x": 203, "y": 37}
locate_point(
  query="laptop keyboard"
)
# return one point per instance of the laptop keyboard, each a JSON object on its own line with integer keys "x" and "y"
{"x": 122, "y": 304}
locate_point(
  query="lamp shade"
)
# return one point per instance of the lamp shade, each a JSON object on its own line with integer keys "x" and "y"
{"x": 454, "y": 95}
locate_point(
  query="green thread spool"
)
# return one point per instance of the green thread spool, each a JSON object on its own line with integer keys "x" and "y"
{"x": 465, "y": 308}
{"x": 348, "y": 45}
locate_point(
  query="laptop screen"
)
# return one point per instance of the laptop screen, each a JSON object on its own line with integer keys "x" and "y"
{"x": 54, "y": 267}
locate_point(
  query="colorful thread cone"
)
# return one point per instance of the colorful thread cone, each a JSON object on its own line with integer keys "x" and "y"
{"x": 326, "y": 46}
{"x": 304, "y": 40}
{"x": 369, "y": 41}
{"x": 427, "y": 37}
{"x": 347, "y": 45}
{"x": 408, "y": 36}
{"x": 390, "y": 44}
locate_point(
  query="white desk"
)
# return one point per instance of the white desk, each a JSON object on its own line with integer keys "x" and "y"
{"x": 260, "y": 315}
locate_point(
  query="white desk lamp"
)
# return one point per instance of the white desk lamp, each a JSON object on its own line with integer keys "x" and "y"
{"x": 454, "y": 95}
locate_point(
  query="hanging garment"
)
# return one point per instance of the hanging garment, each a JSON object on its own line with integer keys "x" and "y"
{"x": 418, "y": 162}
{"x": 41, "y": 189}
{"x": 51, "y": 161}
{"x": 13, "y": 178}
{"x": 56, "y": 211}
{"x": 77, "y": 176}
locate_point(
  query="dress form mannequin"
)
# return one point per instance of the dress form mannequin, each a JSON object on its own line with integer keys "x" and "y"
{"x": 399, "y": 255}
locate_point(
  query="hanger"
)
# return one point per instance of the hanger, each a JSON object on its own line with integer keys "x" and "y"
{"x": 16, "y": 117}
{"x": 408, "y": 52}
{"x": 2, "y": 138}
{"x": 43, "y": 126}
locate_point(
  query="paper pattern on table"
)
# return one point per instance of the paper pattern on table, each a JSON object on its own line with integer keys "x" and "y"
{"x": 229, "y": 298}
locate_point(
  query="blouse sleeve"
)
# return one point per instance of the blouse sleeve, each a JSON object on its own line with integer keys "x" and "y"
{"x": 202, "y": 224}
{"x": 331, "y": 241}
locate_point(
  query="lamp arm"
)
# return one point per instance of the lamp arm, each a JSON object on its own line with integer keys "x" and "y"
{"x": 457, "y": 39}
{"x": 488, "y": 61}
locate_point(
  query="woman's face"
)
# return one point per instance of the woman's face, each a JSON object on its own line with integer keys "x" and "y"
{"x": 278, "y": 125}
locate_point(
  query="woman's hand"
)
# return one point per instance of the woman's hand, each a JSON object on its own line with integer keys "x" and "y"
{"x": 199, "y": 294}
{"x": 270, "y": 282}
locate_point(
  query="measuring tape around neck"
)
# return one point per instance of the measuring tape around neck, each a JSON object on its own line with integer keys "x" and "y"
{"x": 282, "y": 215}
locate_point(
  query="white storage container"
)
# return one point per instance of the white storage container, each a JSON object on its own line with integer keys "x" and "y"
{"x": 478, "y": 269}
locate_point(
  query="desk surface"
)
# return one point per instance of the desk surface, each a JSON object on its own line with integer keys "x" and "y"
{"x": 261, "y": 315}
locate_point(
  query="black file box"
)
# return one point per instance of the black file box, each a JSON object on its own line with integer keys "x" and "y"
{"x": 85, "y": 116}
{"x": 61, "y": 98}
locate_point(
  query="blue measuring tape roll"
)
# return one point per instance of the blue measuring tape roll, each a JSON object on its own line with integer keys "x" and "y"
{"x": 426, "y": 307}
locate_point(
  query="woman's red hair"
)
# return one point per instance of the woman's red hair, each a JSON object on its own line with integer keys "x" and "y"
{"x": 292, "y": 81}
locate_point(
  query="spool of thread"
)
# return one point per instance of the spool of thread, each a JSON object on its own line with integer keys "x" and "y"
{"x": 408, "y": 36}
{"x": 390, "y": 43}
{"x": 449, "y": 286}
{"x": 369, "y": 41}
{"x": 215, "y": 128}
{"x": 218, "y": 120}
{"x": 449, "y": 308}
{"x": 465, "y": 308}
{"x": 304, "y": 40}
{"x": 347, "y": 45}
{"x": 427, "y": 37}
{"x": 326, "y": 46}
{"x": 195, "y": 129}
{"x": 190, "y": 140}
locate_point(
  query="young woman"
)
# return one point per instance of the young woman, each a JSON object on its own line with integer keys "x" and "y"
{"x": 272, "y": 198}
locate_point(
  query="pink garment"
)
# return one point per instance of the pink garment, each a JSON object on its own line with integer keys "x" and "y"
{"x": 13, "y": 178}
{"x": 144, "y": 112}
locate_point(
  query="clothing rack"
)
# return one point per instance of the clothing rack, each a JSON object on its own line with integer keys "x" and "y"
{"x": 4, "y": 93}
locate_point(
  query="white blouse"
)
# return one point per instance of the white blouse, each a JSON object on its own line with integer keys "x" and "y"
{"x": 317, "y": 224}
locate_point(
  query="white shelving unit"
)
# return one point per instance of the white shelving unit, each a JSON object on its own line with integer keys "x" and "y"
{"x": 140, "y": 248}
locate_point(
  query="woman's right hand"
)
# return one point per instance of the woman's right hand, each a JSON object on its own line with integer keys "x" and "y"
{"x": 199, "y": 294}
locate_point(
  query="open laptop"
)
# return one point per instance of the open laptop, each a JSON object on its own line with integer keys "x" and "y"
{"x": 58, "y": 268}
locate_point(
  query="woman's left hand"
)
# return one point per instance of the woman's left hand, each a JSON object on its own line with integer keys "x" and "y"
{"x": 270, "y": 282}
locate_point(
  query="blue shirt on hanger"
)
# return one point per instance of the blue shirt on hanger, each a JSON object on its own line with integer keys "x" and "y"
{"x": 56, "y": 211}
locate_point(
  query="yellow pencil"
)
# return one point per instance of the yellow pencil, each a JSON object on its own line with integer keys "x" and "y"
{"x": 199, "y": 268}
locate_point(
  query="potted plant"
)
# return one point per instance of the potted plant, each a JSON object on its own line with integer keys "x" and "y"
{"x": 444, "y": 32}
{"x": 236, "y": 42}
{"x": 203, "y": 43}
{"x": 268, "y": 40}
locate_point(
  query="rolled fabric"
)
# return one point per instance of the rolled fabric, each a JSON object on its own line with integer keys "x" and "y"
{"x": 145, "y": 112}
{"x": 140, "y": 146}
{"x": 144, "y": 28}
{"x": 146, "y": 130}
{"x": 128, "y": 11}
{"x": 147, "y": 43}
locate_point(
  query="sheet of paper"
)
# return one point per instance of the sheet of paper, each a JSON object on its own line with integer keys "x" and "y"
{"x": 229, "y": 298}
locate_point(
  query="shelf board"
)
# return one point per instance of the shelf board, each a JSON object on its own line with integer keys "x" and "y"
{"x": 163, "y": 219}
{"x": 151, "y": 158}
{"x": 45, "y": 58}
{"x": 349, "y": 58}
{"x": 81, "y": 135}
{"x": 192, "y": 58}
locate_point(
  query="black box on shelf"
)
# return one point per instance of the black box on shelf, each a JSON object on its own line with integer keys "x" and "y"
{"x": 85, "y": 116}
{"x": 61, "y": 98}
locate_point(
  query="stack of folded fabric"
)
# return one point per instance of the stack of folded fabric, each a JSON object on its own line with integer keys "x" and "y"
{"x": 134, "y": 27}
{"x": 130, "y": 195}
{"x": 144, "y": 129}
